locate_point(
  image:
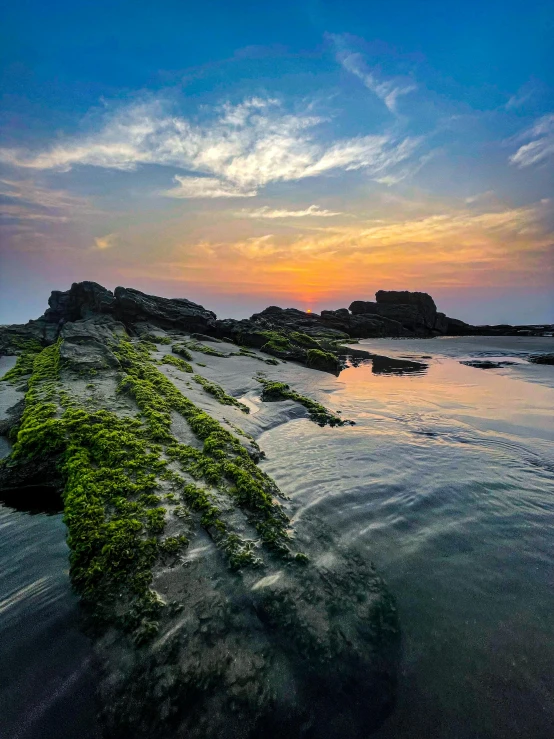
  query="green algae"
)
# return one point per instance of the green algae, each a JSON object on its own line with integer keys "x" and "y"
{"x": 219, "y": 393}
{"x": 113, "y": 467}
{"x": 304, "y": 340}
{"x": 196, "y": 346}
{"x": 176, "y": 362}
{"x": 30, "y": 349}
{"x": 251, "y": 489}
{"x": 321, "y": 360}
{"x": 276, "y": 342}
{"x": 153, "y": 339}
{"x": 275, "y": 391}
{"x": 182, "y": 351}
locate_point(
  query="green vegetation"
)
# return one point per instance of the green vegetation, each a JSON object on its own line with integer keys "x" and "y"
{"x": 154, "y": 339}
{"x": 182, "y": 351}
{"x": 116, "y": 472}
{"x": 29, "y": 348}
{"x": 176, "y": 362}
{"x": 276, "y": 342}
{"x": 196, "y": 346}
{"x": 219, "y": 393}
{"x": 304, "y": 340}
{"x": 320, "y": 360}
{"x": 274, "y": 391}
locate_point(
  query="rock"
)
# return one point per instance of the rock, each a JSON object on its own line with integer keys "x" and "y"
{"x": 485, "y": 364}
{"x": 542, "y": 358}
{"x": 213, "y": 609}
{"x": 455, "y": 327}
{"x": 86, "y": 343}
{"x": 324, "y": 361}
{"x": 168, "y": 313}
{"x": 82, "y": 300}
{"x": 14, "y": 338}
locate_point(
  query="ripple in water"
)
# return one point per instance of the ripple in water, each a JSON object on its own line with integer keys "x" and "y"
{"x": 446, "y": 482}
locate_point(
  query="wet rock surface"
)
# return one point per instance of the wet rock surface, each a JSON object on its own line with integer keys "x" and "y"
{"x": 211, "y": 611}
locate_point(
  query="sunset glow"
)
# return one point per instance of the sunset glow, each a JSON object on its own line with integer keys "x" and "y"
{"x": 327, "y": 166}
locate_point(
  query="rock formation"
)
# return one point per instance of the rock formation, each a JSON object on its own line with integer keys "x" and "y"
{"x": 209, "y": 611}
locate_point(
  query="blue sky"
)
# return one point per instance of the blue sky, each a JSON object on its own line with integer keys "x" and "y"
{"x": 242, "y": 154}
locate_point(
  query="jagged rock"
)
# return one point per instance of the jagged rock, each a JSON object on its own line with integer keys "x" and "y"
{"x": 82, "y": 300}
{"x": 168, "y": 313}
{"x": 415, "y": 312}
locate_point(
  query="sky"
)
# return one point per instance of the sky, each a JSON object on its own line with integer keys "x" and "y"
{"x": 303, "y": 154}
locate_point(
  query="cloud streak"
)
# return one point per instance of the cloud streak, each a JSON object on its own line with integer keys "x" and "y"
{"x": 240, "y": 150}
{"x": 387, "y": 90}
{"x": 541, "y": 146}
{"x": 267, "y": 212}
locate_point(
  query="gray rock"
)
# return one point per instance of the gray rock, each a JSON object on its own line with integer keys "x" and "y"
{"x": 86, "y": 343}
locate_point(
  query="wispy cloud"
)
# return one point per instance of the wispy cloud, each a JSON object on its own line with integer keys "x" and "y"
{"x": 206, "y": 187}
{"x": 540, "y": 147}
{"x": 388, "y": 90}
{"x": 457, "y": 248}
{"x": 23, "y": 201}
{"x": 267, "y": 212}
{"x": 106, "y": 242}
{"x": 241, "y": 149}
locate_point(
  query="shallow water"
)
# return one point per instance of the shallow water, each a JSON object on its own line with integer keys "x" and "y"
{"x": 46, "y": 673}
{"x": 445, "y": 482}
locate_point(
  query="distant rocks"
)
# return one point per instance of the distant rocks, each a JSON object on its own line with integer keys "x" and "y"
{"x": 485, "y": 364}
{"x": 415, "y": 312}
{"x": 542, "y": 358}
{"x": 285, "y": 333}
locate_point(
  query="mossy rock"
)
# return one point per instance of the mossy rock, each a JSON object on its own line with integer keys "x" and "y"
{"x": 323, "y": 361}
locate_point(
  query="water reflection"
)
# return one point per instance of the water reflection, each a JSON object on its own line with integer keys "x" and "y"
{"x": 446, "y": 483}
{"x": 390, "y": 366}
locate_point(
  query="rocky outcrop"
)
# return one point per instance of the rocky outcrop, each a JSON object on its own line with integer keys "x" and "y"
{"x": 132, "y": 306}
{"x": 416, "y": 312}
{"x": 82, "y": 300}
{"x": 213, "y": 609}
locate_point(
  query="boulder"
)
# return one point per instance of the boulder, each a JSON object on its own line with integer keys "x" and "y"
{"x": 168, "y": 313}
{"x": 82, "y": 300}
{"x": 415, "y": 311}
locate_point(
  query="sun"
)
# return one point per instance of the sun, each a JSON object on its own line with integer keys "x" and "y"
{"x": 309, "y": 310}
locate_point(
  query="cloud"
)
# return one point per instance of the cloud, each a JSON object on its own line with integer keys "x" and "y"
{"x": 239, "y": 150}
{"x": 541, "y": 146}
{"x": 388, "y": 90}
{"x": 267, "y": 212}
{"x": 205, "y": 187}
{"x": 459, "y": 248}
{"x": 106, "y": 242}
{"x": 525, "y": 93}
{"x": 23, "y": 201}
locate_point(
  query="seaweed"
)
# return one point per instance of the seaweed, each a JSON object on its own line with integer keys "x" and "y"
{"x": 274, "y": 391}
{"x": 219, "y": 393}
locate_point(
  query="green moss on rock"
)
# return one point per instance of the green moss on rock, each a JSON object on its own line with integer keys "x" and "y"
{"x": 176, "y": 362}
{"x": 324, "y": 361}
{"x": 219, "y": 393}
{"x": 275, "y": 391}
